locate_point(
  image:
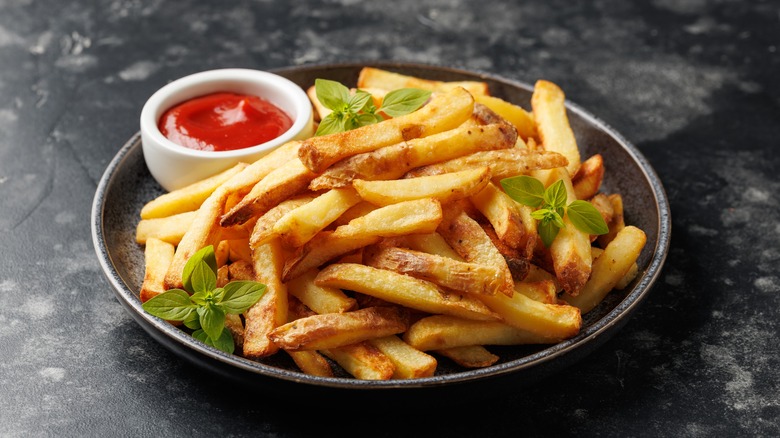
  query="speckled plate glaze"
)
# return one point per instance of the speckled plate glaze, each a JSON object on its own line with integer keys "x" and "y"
{"x": 127, "y": 185}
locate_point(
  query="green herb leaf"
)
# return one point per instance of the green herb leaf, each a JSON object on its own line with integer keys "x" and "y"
{"x": 333, "y": 95}
{"x": 212, "y": 320}
{"x": 524, "y": 189}
{"x": 241, "y": 295}
{"x": 205, "y": 255}
{"x": 403, "y": 101}
{"x": 548, "y": 231}
{"x": 332, "y": 123}
{"x": 192, "y": 321}
{"x": 202, "y": 278}
{"x": 586, "y": 218}
{"x": 359, "y": 101}
{"x": 172, "y": 305}
{"x": 556, "y": 195}
{"x": 224, "y": 342}
{"x": 368, "y": 119}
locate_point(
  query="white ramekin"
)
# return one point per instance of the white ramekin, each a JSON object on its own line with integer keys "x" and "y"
{"x": 175, "y": 166}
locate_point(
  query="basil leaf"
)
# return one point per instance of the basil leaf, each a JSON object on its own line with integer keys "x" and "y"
{"x": 332, "y": 123}
{"x": 331, "y": 94}
{"x": 556, "y": 218}
{"x": 212, "y": 320}
{"x": 541, "y": 214}
{"x": 367, "y": 119}
{"x": 201, "y": 336}
{"x": 403, "y": 101}
{"x": 524, "y": 189}
{"x": 548, "y": 231}
{"x": 192, "y": 321}
{"x": 200, "y": 298}
{"x": 241, "y": 295}
{"x": 358, "y": 101}
{"x": 587, "y": 218}
{"x": 203, "y": 255}
{"x": 556, "y": 195}
{"x": 202, "y": 278}
{"x": 224, "y": 342}
{"x": 171, "y": 305}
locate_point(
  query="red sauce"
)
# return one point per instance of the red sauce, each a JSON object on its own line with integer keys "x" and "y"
{"x": 223, "y": 122}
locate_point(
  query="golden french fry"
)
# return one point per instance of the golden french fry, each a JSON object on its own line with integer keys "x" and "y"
{"x": 332, "y": 330}
{"x": 203, "y": 232}
{"x": 444, "y": 271}
{"x": 504, "y": 215}
{"x": 418, "y": 216}
{"x": 238, "y": 249}
{"x": 288, "y": 180}
{"x": 372, "y": 77}
{"x": 609, "y": 268}
{"x": 299, "y": 225}
{"x": 470, "y": 356}
{"x": 570, "y": 251}
{"x": 443, "y": 112}
{"x": 363, "y": 361}
{"x": 271, "y": 310}
{"x": 410, "y": 363}
{"x": 628, "y": 278}
{"x": 617, "y": 223}
{"x": 521, "y": 119}
{"x": 544, "y": 291}
{"x": 431, "y": 243}
{"x": 391, "y": 162}
{"x": 437, "y": 332}
{"x": 320, "y": 299}
{"x": 241, "y": 270}
{"x": 187, "y": 198}
{"x": 241, "y": 183}
{"x": 362, "y": 208}
{"x": 158, "y": 255}
{"x": 263, "y": 229}
{"x": 469, "y": 240}
{"x": 170, "y": 228}
{"x": 402, "y": 289}
{"x": 503, "y": 163}
{"x": 587, "y": 181}
{"x": 552, "y": 123}
{"x": 446, "y": 187}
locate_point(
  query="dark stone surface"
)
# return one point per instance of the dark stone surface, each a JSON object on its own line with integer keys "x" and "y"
{"x": 691, "y": 83}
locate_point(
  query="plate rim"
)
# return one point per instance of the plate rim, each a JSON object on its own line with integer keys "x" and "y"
{"x": 614, "y": 318}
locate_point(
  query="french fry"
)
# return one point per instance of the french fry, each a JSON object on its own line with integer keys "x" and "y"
{"x": 288, "y": 180}
{"x": 443, "y": 112}
{"x": 187, "y": 198}
{"x": 299, "y": 225}
{"x": 418, "y": 216}
{"x": 587, "y": 181}
{"x": 263, "y": 229}
{"x": 609, "y": 268}
{"x": 617, "y": 223}
{"x": 431, "y": 243}
{"x": 516, "y": 259}
{"x": 222, "y": 252}
{"x": 241, "y": 183}
{"x": 332, "y": 330}
{"x": 438, "y": 332}
{"x": 552, "y": 123}
{"x": 271, "y": 310}
{"x": 470, "y": 356}
{"x": 170, "y": 228}
{"x": 402, "y": 289}
{"x": 363, "y": 361}
{"x": 309, "y": 361}
{"x": 241, "y": 270}
{"x": 504, "y": 215}
{"x": 238, "y": 249}
{"x": 570, "y": 251}
{"x": 362, "y": 208}
{"x": 444, "y": 271}
{"x": 446, "y": 187}
{"x": 203, "y": 232}
{"x": 391, "y": 162}
{"x": 521, "y": 119}
{"x": 320, "y": 299}
{"x": 469, "y": 240}
{"x": 503, "y": 163}
{"x": 410, "y": 363}
{"x": 158, "y": 255}
{"x": 372, "y": 77}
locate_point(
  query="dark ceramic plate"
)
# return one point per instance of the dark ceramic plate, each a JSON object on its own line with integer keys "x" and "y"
{"x": 127, "y": 185}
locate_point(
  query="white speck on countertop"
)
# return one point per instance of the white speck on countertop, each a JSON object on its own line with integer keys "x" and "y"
{"x": 767, "y": 284}
{"x": 52, "y": 374}
{"x": 139, "y": 71}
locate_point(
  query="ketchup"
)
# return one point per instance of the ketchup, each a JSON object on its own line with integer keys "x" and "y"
{"x": 223, "y": 122}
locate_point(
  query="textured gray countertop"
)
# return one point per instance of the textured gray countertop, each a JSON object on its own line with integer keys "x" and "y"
{"x": 693, "y": 84}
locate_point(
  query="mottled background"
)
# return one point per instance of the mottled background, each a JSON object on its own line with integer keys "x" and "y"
{"x": 692, "y": 83}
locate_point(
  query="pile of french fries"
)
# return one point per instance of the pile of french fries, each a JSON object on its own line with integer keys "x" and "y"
{"x": 389, "y": 247}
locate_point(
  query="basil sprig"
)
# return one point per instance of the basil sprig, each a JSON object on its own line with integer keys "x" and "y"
{"x": 551, "y": 207}
{"x": 353, "y": 111}
{"x": 202, "y": 306}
